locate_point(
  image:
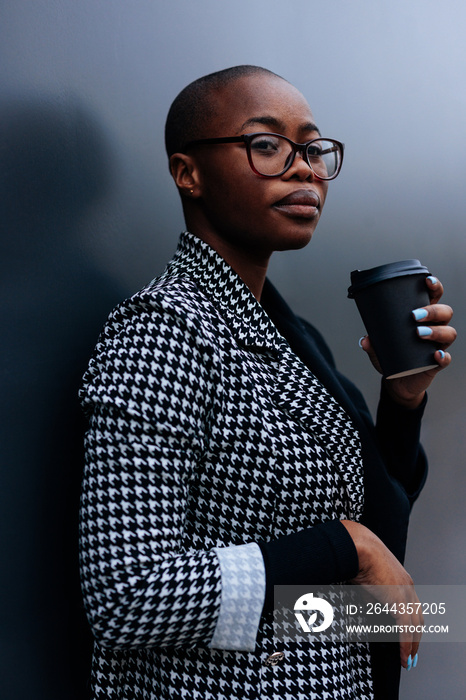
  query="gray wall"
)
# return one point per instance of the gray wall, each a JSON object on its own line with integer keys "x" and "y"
{"x": 88, "y": 214}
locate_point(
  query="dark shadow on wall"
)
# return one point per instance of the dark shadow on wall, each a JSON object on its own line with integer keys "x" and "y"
{"x": 54, "y": 166}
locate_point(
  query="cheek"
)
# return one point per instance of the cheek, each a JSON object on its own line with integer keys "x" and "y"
{"x": 218, "y": 169}
{"x": 324, "y": 191}
{"x": 234, "y": 191}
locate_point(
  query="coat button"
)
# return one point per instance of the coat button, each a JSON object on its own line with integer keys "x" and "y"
{"x": 274, "y": 659}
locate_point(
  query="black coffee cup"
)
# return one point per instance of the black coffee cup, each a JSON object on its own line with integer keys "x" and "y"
{"x": 385, "y": 297}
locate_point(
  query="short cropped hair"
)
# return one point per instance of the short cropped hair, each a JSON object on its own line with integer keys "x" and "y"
{"x": 191, "y": 110}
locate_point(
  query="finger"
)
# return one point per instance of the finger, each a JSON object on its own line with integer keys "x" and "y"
{"x": 444, "y": 335}
{"x": 365, "y": 343}
{"x": 409, "y": 643}
{"x": 442, "y": 358}
{"x": 406, "y": 649}
{"x": 435, "y": 288}
{"x": 415, "y": 645}
{"x": 440, "y": 314}
{"x": 411, "y": 661}
{"x": 417, "y": 621}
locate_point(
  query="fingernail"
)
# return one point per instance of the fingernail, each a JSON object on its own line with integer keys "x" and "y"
{"x": 424, "y": 331}
{"x": 415, "y": 661}
{"x": 360, "y": 341}
{"x": 442, "y": 354}
{"x": 419, "y": 314}
{"x": 410, "y": 663}
{"x": 432, "y": 279}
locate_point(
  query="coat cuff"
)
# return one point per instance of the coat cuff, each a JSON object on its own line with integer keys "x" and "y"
{"x": 243, "y": 592}
{"x": 323, "y": 554}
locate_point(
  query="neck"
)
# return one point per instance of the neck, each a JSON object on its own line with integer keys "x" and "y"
{"x": 250, "y": 265}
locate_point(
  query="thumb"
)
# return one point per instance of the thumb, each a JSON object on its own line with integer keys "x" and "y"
{"x": 366, "y": 345}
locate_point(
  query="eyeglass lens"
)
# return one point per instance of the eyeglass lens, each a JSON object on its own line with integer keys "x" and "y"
{"x": 272, "y": 154}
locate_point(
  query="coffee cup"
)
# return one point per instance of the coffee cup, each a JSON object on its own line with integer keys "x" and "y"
{"x": 385, "y": 297}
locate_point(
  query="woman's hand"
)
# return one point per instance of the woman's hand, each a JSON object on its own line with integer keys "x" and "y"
{"x": 409, "y": 391}
{"x": 387, "y": 580}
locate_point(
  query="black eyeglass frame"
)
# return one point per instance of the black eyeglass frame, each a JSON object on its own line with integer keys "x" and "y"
{"x": 297, "y": 148}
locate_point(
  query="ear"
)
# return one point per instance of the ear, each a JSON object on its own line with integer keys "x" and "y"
{"x": 185, "y": 174}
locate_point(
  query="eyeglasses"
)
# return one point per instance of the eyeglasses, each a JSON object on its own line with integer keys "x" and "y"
{"x": 271, "y": 155}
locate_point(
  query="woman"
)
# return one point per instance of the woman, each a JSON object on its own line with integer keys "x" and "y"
{"x": 225, "y": 452}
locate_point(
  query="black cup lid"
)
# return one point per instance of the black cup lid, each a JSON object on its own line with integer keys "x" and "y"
{"x": 360, "y": 279}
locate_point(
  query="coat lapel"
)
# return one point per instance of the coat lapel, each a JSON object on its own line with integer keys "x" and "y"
{"x": 248, "y": 322}
{"x": 316, "y": 398}
{"x": 305, "y": 346}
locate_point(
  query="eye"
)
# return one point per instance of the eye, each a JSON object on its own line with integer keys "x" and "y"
{"x": 314, "y": 150}
{"x": 265, "y": 145}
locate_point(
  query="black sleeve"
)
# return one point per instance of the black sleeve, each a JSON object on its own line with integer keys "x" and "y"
{"x": 323, "y": 554}
{"x": 398, "y": 433}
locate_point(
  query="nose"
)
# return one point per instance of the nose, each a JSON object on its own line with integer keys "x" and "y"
{"x": 300, "y": 168}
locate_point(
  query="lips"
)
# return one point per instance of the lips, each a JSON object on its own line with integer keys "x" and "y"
{"x": 302, "y": 203}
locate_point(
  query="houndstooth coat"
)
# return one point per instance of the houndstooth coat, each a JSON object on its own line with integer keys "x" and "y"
{"x": 209, "y": 434}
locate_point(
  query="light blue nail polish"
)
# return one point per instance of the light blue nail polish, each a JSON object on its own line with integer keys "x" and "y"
{"x": 419, "y": 314}
{"x": 410, "y": 663}
{"x": 432, "y": 279}
{"x": 442, "y": 354}
{"x": 424, "y": 331}
{"x": 415, "y": 661}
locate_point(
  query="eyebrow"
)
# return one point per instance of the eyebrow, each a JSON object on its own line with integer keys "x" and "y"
{"x": 276, "y": 123}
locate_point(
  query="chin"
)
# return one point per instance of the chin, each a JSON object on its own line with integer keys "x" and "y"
{"x": 295, "y": 241}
